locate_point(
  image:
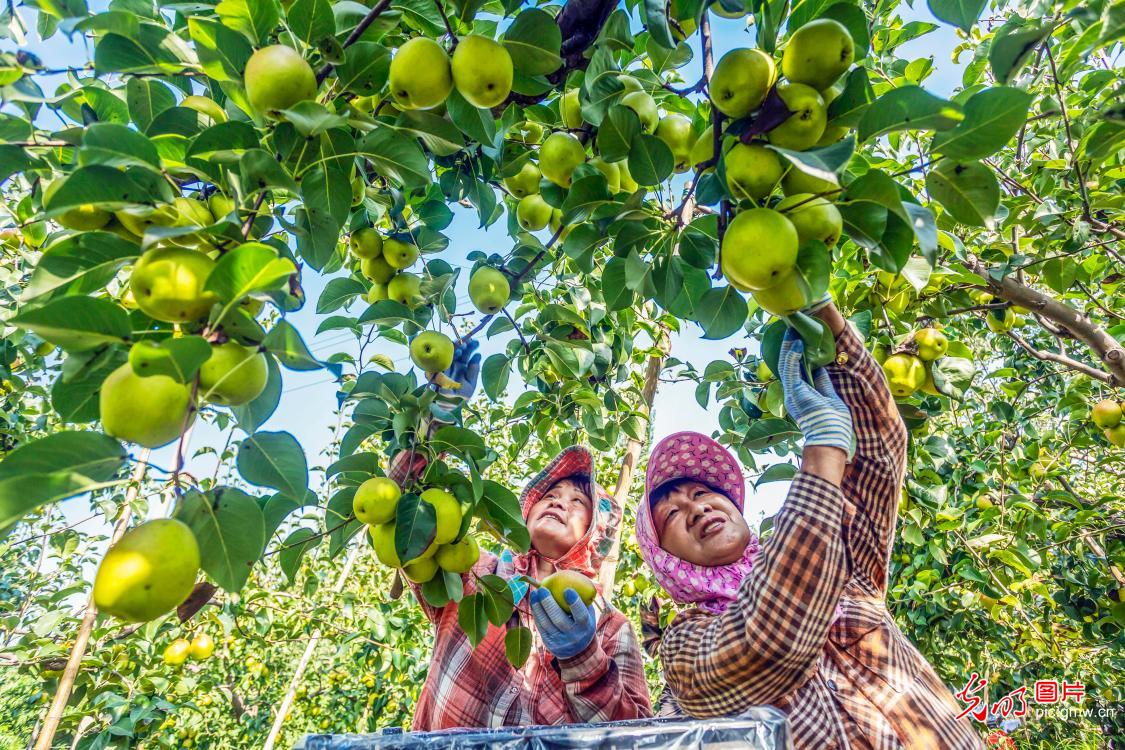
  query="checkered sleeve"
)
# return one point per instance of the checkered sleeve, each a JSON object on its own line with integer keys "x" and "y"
{"x": 768, "y": 641}
{"x": 606, "y": 681}
{"x": 874, "y": 478}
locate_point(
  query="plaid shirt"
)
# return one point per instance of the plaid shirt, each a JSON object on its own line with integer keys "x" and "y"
{"x": 469, "y": 687}
{"x": 853, "y": 683}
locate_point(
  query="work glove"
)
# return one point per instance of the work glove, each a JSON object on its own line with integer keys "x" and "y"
{"x": 564, "y": 635}
{"x": 464, "y": 371}
{"x": 824, "y": 419}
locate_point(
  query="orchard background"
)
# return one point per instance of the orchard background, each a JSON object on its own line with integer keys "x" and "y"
{"x": 977, "y": 148}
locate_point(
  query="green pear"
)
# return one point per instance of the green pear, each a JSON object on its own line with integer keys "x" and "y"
{"x": 795, "y": 181}
{"x": 1106, "y": 413}
{"x": 148, "y": 572}
{"x": 644, "y": 105}
{"x": 814, "y": 218}
{"x": 785, "y": 297}
{"x": 932, "y": 344}
{"x": 376, "y": 500}
{"x": 149, "y": 411}
{"x": 704, "y": 148}
{"x": 458, "y": 557}
{"x": 167, "y": 284}
{"x": 366, "y": 243}
{"x": 447, "y": 512}
{"x": 676, "y": 131}
{"x": 804, "y": 127}
{"x": 405, "y": 288}
{"x": 432, "y": 351}
{"x": 399, "y": 254}
{"x": 559, "y": 581}
{"x": 84, "y": 218}
{"x": 611, "y": 171}
{"x": 525, "y": 182}
{"x": 482, "y": 71}
{"x": 533, "y": 213}
{"x": 421, "y": 75}
{"x": 559, "y": 156}
{"x": 277, "y": 77}
{"x": 818, "y": 53}
{"x": 741, "y": 80}
{"x": 233, "y": 375}
{"x": 570, "y": 109}
{"x": 489, "y": 290}
{"x": 377, "y": 269}
{"x": 759, "y": 249}
{"x": 752, "y": 171}
{"x": 905, "y": 374}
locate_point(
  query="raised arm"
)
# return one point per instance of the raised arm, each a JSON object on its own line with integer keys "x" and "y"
{"x": 766, "y": 644}
{"x": 874, "y": 478}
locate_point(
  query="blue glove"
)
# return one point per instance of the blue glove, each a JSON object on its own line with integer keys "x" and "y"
{"x": 465, "y": 371}
{"x": 823, "y": 418}
{"x": 564, "y": 635}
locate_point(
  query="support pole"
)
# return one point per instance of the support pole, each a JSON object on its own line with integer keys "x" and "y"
{"x": 81, "y": 640}
{"x": 628, "y": 467}
{"x": 302, "y": 665}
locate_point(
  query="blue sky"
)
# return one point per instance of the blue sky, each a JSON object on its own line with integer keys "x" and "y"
{"x": 308, "y": 402}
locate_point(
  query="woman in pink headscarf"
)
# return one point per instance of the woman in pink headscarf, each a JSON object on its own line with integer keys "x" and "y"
{"x": 798, "y": 622}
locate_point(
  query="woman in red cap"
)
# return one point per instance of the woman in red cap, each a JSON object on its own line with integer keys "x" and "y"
{"x": 798, "y": 622}
{"x": 585, "y": 665}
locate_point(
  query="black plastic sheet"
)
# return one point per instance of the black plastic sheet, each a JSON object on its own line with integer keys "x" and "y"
{"x": 758, "y": 729}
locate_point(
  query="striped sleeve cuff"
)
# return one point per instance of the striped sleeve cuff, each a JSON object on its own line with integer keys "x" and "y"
{"x": 588, "y": 663}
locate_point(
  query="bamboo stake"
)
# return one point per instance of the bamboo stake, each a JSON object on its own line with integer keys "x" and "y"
{"x": 302, "y": 665}
{"x": 74, "y": 661}
{"x": 628, "y": 467}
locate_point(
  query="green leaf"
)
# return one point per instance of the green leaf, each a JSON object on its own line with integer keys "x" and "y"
{"x": 825, "y": 162}
{"x": 820, "y": 344}
{"x": 517, "y": 646}
{"x": 254, "y": 18}
{"x": 338, "y": 517}
{"x": 953, "y": 376}
{"x": 472, "y": 618}
{"x": 498, "y": 600}
{"x": 74, "y": 395}
{"x": 477, "y": 123}
{"x": 961, "y": 13}
{"x": 311, "y": 20}
{"x": 494, "y": 375}
{"x": 1012, "y": 45}
{"x": 992, "y": 118}
{"x": 534, "y": 41}
{"x": 766, "y": 432}
{"x": 814, "y": 268}
{"x": 146, "y": 98}
{"x": 654, "y": 14}
{"x": 90, "y": 454}
{"x": 328, "y": 196}
{"x": 250, "y": 268}
{"x": 230, "y": 529}
{"x": 777, "y": 473}
{"x": 77, "y": 323}
{"x": 339, "y": 292}
{"x": 397, "y": 157}
{"x": 109, "y": 188}
{"x": 721, "y": 313}
{"x": 222, "y": 52}
{"x": 80, "y": 263}
{"x": 585, "y": 195}
{"x": 908, "y": 108}
{"x": 21, "y": 494}
{"x": 500, "y": 509}
{"x": 415, "y": 526}
{"x": 278, "y": 507}
{"x": 275, "y": 460}
{"x": 225, "y": 140}
{"x": 855, "y": 20}
{"x": 969, "y": 191}
{"x": 177, "y": 358}
{"x": 459, "y": 441}
{"x": 650, "y": 160}
{"x": 618, "y": 130}
{"x": 116, "y": 146}
{"x": 847, "y": 109}
{"x": 365, "y": 68}
{"x": 294, "y": 548}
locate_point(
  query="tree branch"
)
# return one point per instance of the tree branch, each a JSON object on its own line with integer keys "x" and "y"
{"x": 1105, "y": 346}
{"x": 357, "y": 32}
{"x": 1061, "y": 359}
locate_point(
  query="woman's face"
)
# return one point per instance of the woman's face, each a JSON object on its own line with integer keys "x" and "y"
{"x": 697, "y": 524}
{"x": 559, "y": 519}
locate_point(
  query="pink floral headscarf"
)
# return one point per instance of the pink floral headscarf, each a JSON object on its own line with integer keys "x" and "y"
{"x": 690, "y": 455}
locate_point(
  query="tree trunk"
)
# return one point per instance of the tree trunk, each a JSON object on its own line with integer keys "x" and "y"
{"x": 302, "y": 665}
{"x": 82, "y": 639}
{"x": 628, "y": 467}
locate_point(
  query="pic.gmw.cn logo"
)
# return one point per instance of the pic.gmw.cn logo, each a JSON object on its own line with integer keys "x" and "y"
{"x": 1046, "y": 694}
